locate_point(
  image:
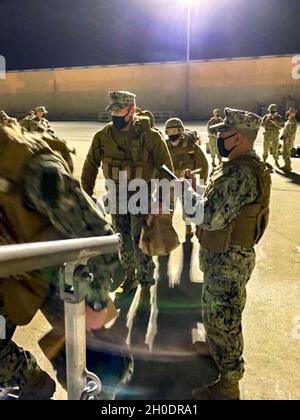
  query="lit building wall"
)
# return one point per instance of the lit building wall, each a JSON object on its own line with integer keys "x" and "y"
{"x": 80, "y": 93}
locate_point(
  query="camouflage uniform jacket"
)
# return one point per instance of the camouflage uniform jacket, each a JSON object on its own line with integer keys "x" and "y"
{"x": 211, "y": 122}
{"x": 290, "y": 130}
{"x": 269, "y": 126}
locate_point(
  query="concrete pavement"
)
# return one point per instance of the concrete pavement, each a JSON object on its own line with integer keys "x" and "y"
{"x": 272, "y": 342}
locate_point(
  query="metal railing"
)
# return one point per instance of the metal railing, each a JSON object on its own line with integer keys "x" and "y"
{"x": 104, "y": 116}
{"x": 73, "y": 256}
{"x": 163, "y": 116}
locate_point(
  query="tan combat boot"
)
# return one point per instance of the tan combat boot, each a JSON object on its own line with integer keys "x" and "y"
{"x": 218, "y": 391}
{"x": 40, "y": 387}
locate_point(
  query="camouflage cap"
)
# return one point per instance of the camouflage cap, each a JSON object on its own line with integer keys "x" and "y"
{"x": 272, "y": 107}
{"x": 174, "y": 123}
{"x": 41, "y": 109}
{"x": 120, "y": 100}
{"x": 238, "y": 120}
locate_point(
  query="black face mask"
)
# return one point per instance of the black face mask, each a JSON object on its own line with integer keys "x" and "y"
{"x": 120, "y": 122}
{"x": 174, "y": 138}
{"x": 223, "y": 152}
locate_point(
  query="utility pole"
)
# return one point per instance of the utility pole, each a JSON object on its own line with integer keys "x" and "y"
{"x": 188, "y": 57}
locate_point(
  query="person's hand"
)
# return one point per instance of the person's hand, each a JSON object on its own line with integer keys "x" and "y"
{"x": 188, "y": 174}
{"x": 275, "y": 124}
{"x": 95, "y": 320}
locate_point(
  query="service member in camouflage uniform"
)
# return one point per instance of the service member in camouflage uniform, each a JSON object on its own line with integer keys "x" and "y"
{"x": 36, "y": 122}
{"x": 272, "y": 123}
{"x": 128, "y": 144}
{"x": 41, "y": 201}
{"x": 26, "y": 121}
{"x": 216, "y": 119}
{"x": 289, "y": 137}
{"x": 236, "y": 210}
{"x": 186, "y": 154}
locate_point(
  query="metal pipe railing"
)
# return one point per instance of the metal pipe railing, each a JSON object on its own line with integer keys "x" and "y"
{"x": 24, "y": 258}
{"x": 72, "y": 255}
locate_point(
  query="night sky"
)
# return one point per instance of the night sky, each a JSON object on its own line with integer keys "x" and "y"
{"x": 38, "y": 34}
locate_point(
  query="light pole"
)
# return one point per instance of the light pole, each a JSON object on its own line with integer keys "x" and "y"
{"x": 188, "y": 31}
{"x": 188, "y": 56}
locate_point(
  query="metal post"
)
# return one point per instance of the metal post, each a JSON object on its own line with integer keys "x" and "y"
{"x": 188, "y": 31}
{"x": 188, "y": 57}
{"x": 75, "y": 349}
{"x": 75, "y": 330}
{"x": 74, "y": 282}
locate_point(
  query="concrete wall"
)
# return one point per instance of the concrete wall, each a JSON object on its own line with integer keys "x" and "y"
{"x": 81, "y": 93}
{"x": 243, "y": 84}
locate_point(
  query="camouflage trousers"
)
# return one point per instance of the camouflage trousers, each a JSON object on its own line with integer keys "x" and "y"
{"x": 16, "y": 364}
{"x": 133, "y": 260}
{"x": 213, "y": 147}
{"x": 271, "y": 145}
{"x": 288, "y": 145}
{"x": 224, "y": 298}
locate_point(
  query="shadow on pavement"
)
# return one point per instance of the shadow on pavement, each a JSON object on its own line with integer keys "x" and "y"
{"x": 168, "y": 380}
{"x": 173, "y": 369}
{"x": 292, "y": 176}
